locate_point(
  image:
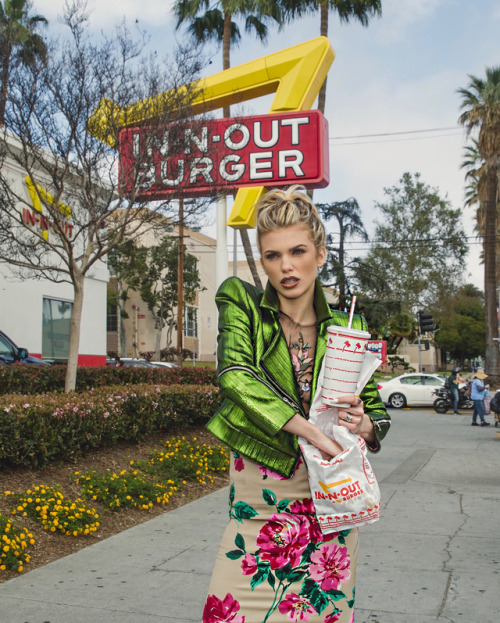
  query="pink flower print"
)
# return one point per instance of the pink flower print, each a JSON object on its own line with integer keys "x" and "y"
{"x": 330, "y": 566}
{"x": 306, "y": 507}
{"x": 283, "y": 539}
{"x": 249, "y": 564}
{"x": 222, "y": 611}
{"x": 335, "y": 616}
{"x": 351, "y": 620}
{"x": 269, "y": 473}
{"x": 298, "y": 608}
{"x": 295, "y": 362}
{"x": 239, "y": 464}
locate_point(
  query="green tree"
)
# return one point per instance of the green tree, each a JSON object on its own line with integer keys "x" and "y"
{"x": 152, "y": 272}
{"x": 126, "y": 262}
{"x": 462, "y": 329}
{"x": 216, "y": 22}
{"x": 72, "y": 175}
{"x": 418, "y": 251}
{"x": 481, "y": 113}
{"x": 348, "y": 217}
{"x": 18, "y": 41}
{"x": 347, "y": 11}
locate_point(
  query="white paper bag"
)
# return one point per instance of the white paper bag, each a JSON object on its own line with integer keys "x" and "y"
{"x": 344, "y": 490}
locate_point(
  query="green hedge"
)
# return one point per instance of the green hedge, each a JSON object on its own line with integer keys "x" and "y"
{"x": 38, "y": 429}
{"x": 29, "y": 379}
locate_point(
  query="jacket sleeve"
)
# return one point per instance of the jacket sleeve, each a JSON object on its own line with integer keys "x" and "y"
{"x": 375, "y": 408}
{"x": 240, "y": 379}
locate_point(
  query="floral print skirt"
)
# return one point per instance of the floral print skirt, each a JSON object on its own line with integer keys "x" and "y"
{"x": 274, "y": 565}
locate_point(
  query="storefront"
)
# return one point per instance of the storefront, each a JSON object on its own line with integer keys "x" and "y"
{"x": 35, "y": 312}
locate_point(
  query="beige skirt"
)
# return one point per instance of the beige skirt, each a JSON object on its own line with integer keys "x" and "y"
{"x": 274, "y": 565}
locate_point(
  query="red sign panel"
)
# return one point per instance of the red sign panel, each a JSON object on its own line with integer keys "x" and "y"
{"x": 223, "y": 154}
{"x": 379, "y": 347}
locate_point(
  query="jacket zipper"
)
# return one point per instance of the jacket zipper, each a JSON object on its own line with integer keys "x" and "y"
{"x": 284, "y": 396}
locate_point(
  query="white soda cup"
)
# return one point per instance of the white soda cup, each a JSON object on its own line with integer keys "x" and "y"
{"x": 345, "y": 353}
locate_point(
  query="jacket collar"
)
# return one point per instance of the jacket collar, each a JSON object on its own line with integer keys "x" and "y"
{"x": 277, "y": 355}
{"x": 271, "y": 301}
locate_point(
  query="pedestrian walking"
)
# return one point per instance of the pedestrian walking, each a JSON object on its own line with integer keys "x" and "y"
{"x": 453, "y": 382}
{"x": 274, "y": 564}
{"x": 477, "y": 393}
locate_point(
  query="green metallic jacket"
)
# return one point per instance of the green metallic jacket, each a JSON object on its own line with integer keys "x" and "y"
{"x": 256, "y": 379}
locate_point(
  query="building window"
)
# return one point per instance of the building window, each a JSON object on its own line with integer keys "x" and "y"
{"x": 190, "y": 328}
{"x": 55, "y": 329}
{"x": 112, "y": 318}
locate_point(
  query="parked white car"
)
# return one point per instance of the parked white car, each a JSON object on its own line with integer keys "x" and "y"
{"x": 410, "y": 389}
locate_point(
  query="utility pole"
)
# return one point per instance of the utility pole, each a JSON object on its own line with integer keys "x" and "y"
{"x": 180, "y": 283}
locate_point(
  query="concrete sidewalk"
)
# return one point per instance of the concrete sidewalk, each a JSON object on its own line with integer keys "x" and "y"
{"x": 433, "y": 556}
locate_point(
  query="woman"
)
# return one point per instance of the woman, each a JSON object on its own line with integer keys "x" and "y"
{"x": 274, "y": 564}
{"x": 477, "y": 394}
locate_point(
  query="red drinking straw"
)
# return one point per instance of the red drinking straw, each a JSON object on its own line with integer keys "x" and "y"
{"x": 351, "y": 312}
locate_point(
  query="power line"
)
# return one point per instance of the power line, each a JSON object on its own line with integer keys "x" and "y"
{"x": 338, "y": 138}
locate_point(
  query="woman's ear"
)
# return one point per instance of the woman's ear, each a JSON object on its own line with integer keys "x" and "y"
{"x": 321, "y": 257}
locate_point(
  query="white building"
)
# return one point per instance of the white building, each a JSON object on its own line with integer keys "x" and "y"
{"x": 35, "y": 312}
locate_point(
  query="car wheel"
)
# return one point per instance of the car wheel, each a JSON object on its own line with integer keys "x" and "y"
{"x": 397, "y": 401}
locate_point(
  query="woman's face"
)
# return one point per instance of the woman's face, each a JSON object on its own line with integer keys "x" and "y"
{"x": 290, "y": 261}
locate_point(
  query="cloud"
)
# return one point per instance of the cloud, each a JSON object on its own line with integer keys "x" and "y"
{"x": 398, "y": 17}
{"x": 151, "y": 13}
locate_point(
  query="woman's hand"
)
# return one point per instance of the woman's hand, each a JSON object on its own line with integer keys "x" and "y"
{"x": 328, "y": 448}
{"x": 355, "y": 419}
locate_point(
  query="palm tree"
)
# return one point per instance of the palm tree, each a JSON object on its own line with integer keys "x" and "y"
{"x": 350, "y": 224}
{"x": 481, "y": 111}
{"x": 475, "y": 167}
{"x": 215, "y": 22}
{"x": 17, "y": 37}
{"x": 347, "y": 10}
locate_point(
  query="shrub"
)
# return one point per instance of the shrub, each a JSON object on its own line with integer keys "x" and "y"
{"x": 27, "y": 379}
{"x": 183, "y": 460}
{"x": 35, "y": 430}
{"x": 48, "y": 506}
{"x": 167, "y": 469}
{"x": 126, "y": 489}
{"x": 13, "y": 543}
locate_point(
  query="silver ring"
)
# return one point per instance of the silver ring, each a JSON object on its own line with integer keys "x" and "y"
{"x": 348, "y": 418}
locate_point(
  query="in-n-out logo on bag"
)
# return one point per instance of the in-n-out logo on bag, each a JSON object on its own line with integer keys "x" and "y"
{"x": 339, "y": 491}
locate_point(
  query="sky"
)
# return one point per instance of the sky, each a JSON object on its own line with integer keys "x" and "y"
{"x": 392, "y": 103}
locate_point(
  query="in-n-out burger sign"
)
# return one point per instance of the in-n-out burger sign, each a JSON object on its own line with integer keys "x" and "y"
{"x": 34, "y": 216}
{"x": 271, "y": 150}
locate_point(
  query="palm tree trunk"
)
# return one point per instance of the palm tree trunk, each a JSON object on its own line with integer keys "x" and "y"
{"x": 5, "y": 82}
{"x": 490, "y": 283}
{"x": 324, "y": 33}
{"x": 250, "y": 259}
{"x": 341, "y": 274}
{"x": 226, "y": 64}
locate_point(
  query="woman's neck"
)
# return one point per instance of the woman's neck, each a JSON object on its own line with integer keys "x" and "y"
{"x": 302, "y": 312}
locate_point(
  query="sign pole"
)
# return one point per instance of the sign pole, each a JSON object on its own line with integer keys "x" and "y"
{"x": 221, "y": 259}
{"x": 180, "y": 283}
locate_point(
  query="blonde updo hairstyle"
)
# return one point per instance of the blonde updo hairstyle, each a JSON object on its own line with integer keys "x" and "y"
{"x": 283, "y": 208}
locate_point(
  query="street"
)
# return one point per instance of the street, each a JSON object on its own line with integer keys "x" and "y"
{"x": 433, "y": 557}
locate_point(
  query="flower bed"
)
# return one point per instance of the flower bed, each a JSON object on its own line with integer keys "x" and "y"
{"x": 37, "y": 429}
{"x": 28, "y": 379}
{"x": 13, "y": 543}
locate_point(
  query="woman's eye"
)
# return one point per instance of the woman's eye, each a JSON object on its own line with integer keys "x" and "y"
{"x": 270, "y": 256}
{"x": 298, "y": 251}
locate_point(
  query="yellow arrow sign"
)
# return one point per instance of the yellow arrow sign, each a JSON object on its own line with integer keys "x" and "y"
{"x": 294, "y": 74}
